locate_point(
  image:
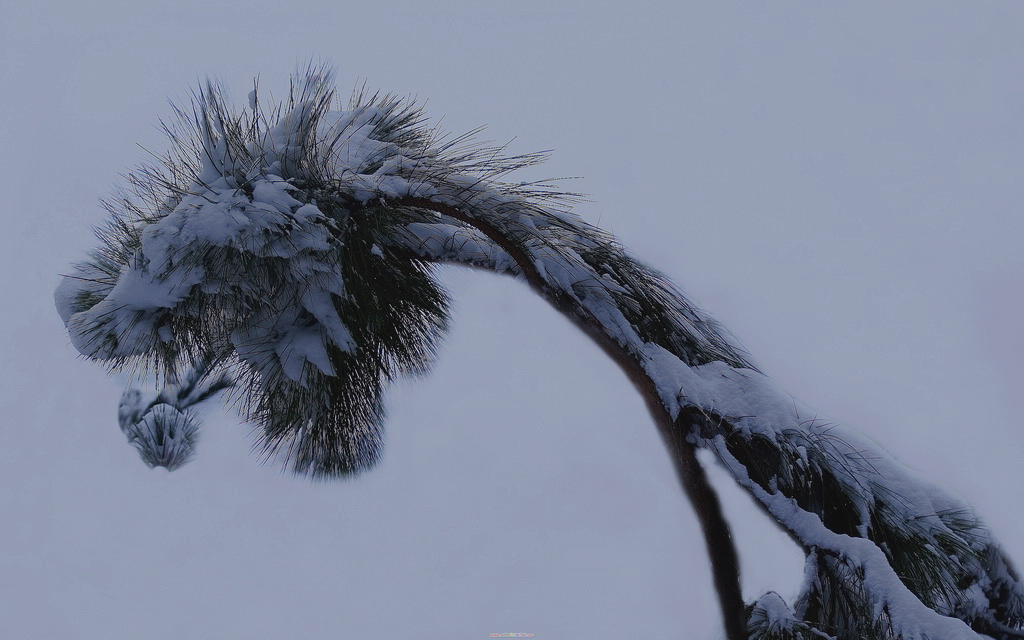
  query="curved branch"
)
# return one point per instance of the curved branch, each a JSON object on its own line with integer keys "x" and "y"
{"x": 715, "y": 528}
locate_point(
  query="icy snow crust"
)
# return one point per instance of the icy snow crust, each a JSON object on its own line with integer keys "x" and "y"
{"x": 253, "y": 206}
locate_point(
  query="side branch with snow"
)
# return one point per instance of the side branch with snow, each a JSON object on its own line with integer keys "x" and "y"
{"x": 289, "y": 252}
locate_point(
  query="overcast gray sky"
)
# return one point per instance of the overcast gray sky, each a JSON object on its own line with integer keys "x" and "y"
{"x": 840, "y": 185}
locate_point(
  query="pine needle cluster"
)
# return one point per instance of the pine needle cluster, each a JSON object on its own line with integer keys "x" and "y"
{"x": 250, "y": 249}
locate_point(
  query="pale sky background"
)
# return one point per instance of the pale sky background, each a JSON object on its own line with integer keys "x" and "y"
{"x": 840, "y": 184}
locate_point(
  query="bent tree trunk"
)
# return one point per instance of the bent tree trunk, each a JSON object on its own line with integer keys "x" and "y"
{"x": 292, "y": 251}
{"x": 450, "y": 246}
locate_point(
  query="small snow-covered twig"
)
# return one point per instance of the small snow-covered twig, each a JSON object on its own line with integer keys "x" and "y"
{"x": 165, "y": 429}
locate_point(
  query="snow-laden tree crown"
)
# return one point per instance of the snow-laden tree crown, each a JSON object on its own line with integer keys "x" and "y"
{"x": 288, "y": 252}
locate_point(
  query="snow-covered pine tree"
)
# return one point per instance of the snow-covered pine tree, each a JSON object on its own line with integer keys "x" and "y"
{"x": 289, "y": 251}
